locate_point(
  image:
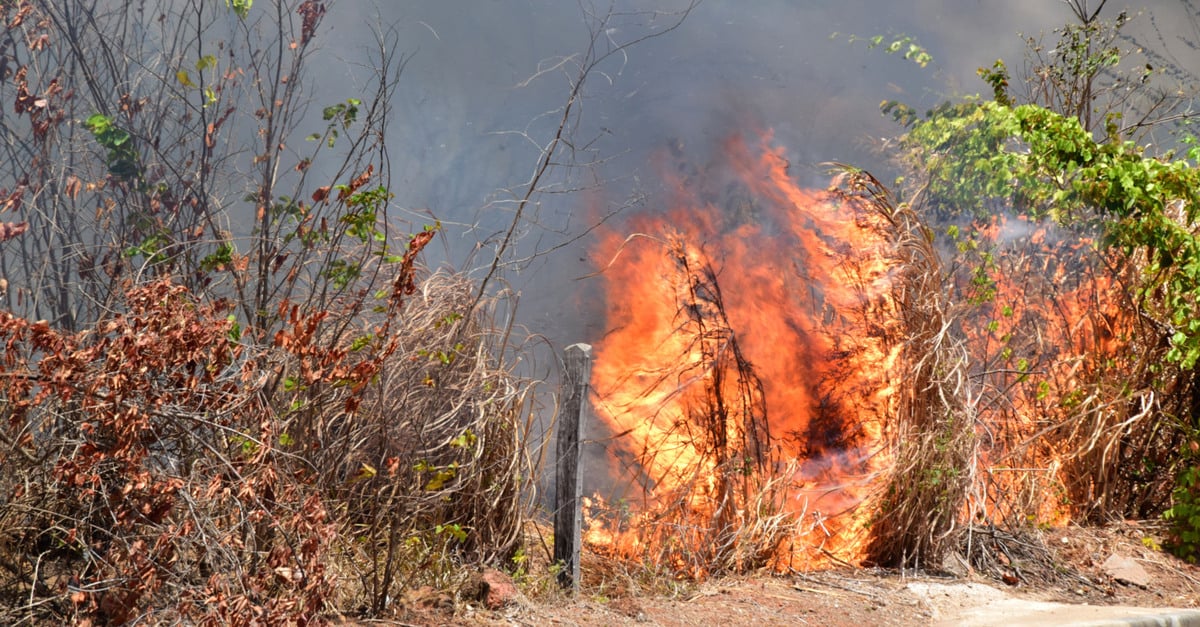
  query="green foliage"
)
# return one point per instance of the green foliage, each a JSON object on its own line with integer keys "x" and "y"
{"x": 184, "y": 77}
{"x": 896, "y": 44}
{"x": 240, "y": 7}
{"x": 121, "y": 158}
{"x": 341, "y": 273}
{"x": 152, "y": 248}
{"x": 982, "y": 155}
{"x": 1184, "y": 514}
{"x": 362, "y": 217}
{"x": 341, "y": 117}
{"x": 220, "y": 259}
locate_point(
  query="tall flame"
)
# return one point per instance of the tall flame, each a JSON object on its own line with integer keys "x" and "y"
{"x": 756, "y": 345}
{"x": 804, "y": 285}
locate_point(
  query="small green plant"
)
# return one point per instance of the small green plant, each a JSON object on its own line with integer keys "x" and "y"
{"x": 452, "y": 530}
{"x": 343, "y": 114}
{"x": 240, "y": 7}
{"x": 520, "y": 565}
{"x": 1184, "y": 514}
{"x": 122, "y": 158}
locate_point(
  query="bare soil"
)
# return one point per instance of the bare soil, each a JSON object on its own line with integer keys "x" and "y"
{"x": 1073, "y": 572}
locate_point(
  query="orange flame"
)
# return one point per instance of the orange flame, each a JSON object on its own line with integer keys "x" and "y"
{"x": 808, "y": 283}
{"x": 744, "y": 267}
{"x": 1056, "y": 326}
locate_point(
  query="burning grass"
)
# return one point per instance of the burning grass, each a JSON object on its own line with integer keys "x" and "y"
{"x": 802, "y": 379}
{"x": 751, "y": 421}
{"x": 714, "y": 504}
{"x": 916, "y": 505}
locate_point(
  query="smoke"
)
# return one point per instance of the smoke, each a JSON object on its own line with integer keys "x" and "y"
{"x": 468, "y": 119}
{"x": 464, "y": 104}
{"x": 773, "y": 59}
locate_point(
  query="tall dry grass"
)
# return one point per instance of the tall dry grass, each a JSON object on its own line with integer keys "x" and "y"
{"x": 1034, "y": 389}
{"x": 915, "y": 507}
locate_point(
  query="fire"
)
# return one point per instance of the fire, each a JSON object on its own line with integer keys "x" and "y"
{"x": 750, "y": 375}
{"x": 766, "y": 305}
{"x": 1056, "y": 327}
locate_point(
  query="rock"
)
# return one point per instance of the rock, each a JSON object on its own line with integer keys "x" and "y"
{"x": 496, "y": 589}
{"x": 1126, "y": 570}
{"x": 955, "y": 564}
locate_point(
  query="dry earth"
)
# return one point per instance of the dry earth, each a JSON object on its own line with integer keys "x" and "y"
{"x": 1079, "y": 556}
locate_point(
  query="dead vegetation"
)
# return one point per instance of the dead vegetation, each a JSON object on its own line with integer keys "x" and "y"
{"x": 161, "y": 469}
{"x": 913, "y": 513}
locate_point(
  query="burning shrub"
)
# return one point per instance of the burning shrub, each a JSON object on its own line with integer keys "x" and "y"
{"x": 716, "y": 506}
{"x": 1090, "y": 350}
{"x": 1088, "y": 361}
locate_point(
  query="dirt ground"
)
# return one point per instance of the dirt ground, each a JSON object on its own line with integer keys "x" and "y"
{"x": 1075, "y": 572}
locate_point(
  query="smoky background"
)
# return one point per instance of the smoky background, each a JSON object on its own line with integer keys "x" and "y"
{"x": 475, "y": 101}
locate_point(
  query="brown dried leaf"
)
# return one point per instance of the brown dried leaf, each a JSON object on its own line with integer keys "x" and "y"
{"x": 9, "y": 230}
{"x": 357, "y": 183}
{"x": 73, "y": 186}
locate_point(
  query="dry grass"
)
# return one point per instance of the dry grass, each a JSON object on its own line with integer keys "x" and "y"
{"x": 930, "y": 447}
{"x": 429, "y": 471}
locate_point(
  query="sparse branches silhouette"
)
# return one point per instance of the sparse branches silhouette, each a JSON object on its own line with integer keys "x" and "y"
{"x": 563, "y": 148}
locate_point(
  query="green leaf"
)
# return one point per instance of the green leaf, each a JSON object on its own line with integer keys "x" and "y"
{"x": 235, "y": 329}
{"x": 361, "y": 342}
{"x": 239, "y": 7}
{"x": 98, "y": 123}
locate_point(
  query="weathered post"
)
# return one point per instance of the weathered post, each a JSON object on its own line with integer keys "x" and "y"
{"x": 568, "y": 514}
